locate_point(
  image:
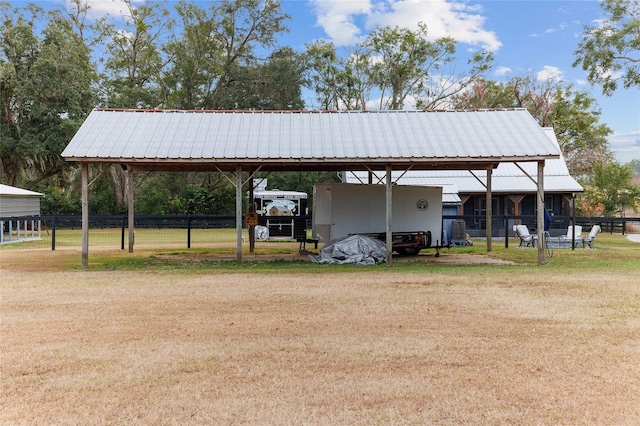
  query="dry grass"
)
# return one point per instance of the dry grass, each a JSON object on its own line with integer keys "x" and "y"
{"x": 478, "y": 346}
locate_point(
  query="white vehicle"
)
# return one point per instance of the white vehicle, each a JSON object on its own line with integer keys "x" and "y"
{"x": 281, "y": 212}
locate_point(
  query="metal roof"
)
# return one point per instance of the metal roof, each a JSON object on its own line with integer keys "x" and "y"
{"x": 506, "y": 178}
{"x": 12, "y": 191}
{"x": 309, "y": 140}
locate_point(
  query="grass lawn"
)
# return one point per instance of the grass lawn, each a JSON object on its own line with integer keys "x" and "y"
{"x": 175, "y": 336}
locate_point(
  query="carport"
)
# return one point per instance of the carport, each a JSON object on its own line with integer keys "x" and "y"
{"x": 250, "y": 141}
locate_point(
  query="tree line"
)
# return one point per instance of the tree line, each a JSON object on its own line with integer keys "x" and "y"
{"x": 57, "y": 65}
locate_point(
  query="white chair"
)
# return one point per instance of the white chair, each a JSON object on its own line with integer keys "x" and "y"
{"x": 526, "y": 239}
{"x": 569, "y": 236}
{"x": 588, "y": 240}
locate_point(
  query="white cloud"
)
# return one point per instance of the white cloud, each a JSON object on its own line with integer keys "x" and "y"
{"x": 338, "y": 18}
{"x": 625, "y": 146}
{"x": 549, "y": 73}
{"x": 106, "y": 8}
{"x": 502, "y": 71}
{"x": 346, "y": 21}
{"x": 563, "y": 26}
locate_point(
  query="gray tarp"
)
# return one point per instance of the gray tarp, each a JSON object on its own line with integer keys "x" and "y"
{"x": 357, "y": 249}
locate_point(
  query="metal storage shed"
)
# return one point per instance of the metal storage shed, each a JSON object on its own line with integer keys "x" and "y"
{"x": 248, "y": 141}
{"x": 19, "y": 202}
{"x": 18, "y": 207}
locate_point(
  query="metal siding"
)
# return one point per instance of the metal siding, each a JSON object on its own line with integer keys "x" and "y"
{"x": 19, "y": 206}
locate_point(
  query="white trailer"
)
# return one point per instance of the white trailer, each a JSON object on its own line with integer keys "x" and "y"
{"x": 342, "y": 209}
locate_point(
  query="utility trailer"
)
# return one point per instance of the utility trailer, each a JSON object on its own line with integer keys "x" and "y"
{"x": 342, "y": 209}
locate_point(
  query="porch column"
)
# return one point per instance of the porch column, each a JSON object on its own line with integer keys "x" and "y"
{"x": 85, "y": 215}
{"x": 517, "y": 199}
{"x": 489, "y": 224}
{"x": 540, "y": 215}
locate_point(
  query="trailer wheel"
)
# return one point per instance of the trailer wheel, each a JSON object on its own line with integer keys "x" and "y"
{"x": 409, "y": 251}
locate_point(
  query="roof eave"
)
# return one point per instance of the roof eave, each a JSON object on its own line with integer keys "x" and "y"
{"x": 311, "y": 164}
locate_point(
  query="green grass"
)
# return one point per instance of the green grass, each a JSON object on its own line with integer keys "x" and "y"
{"x": 216, "y": 249}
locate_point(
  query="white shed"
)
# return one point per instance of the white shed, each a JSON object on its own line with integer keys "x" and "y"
{"x": 16, "y": 202}
{"x": 19, "y": 214}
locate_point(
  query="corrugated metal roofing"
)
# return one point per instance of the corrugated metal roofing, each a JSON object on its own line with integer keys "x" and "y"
{"x": 287, "y": 137}
{"x": 506, "y": 178}
{"x": 12, "y": 191}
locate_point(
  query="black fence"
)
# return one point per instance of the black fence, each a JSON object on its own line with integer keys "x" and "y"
{"x": 203, "y": 230}
{"x": 502, "y": 225}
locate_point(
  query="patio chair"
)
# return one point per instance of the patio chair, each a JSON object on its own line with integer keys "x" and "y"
{"x": 578, "y": 238}
{"x": 526, "y": 239}
{"x": 588, "y": 240}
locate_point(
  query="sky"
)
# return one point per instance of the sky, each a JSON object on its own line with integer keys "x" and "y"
{"x": 527, "y": 37}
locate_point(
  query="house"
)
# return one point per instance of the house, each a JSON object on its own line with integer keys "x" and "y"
{"x": 513, "y": 190}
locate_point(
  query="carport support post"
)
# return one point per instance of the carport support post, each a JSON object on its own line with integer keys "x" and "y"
{"x": 489, "y": 221}
{"x": 389, "y": 209}
{"x": 130, "y": 217}
{"x": 239, "y": 214}
{"x": 85, "y": 215}
{"x": 540, "y": 215}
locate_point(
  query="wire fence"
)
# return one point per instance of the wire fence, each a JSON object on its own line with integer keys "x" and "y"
{"x": 219, "y": 232}
{"x": 150, "y": 231}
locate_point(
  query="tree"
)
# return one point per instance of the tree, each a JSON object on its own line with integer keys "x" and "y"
{"x": 407, "y": 63}
{"x": 45, "y": 92}
{"x": 572, "y": 114}
{"x": 274, "y": 85}
{"x": 398, "y": 63}
{"x": 214, "y": 46}
{"x": 610, "y": 51}
{"x": 134, "y": 62}
{"x": 611, "y": 186}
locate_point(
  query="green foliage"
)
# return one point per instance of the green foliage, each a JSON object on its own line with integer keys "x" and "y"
{"x": 610, "y": 50}
{"x": 134, "y": 62}
{"x": 45, "y": 92}
{"x": 572, "y": 114}
{"x": 611, "y": 186}
{"x": 398, "y": 63}
{"x": 58, "y": 201}
{"x": 216, "y": 50}
{"x": 275, "y": 85}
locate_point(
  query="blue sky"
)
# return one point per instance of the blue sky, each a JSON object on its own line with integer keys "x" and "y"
{"x": 536, "y": 37}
